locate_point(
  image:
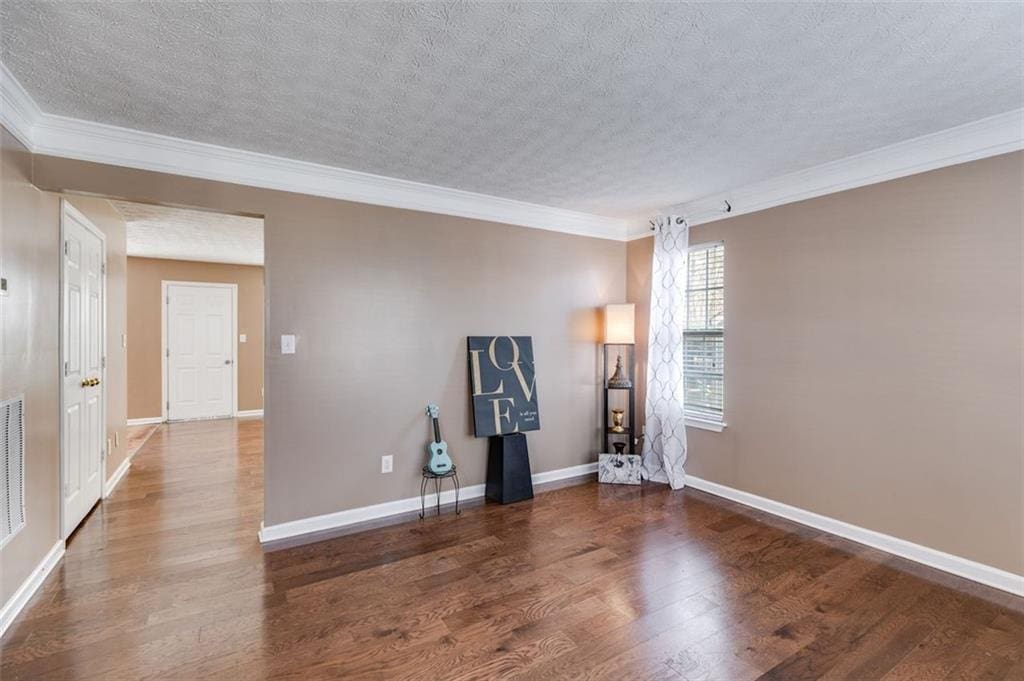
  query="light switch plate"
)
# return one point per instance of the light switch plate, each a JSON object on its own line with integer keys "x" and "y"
{"x": 242, "y": 338}
{"x": 387, "y": 463}
{"x": 288, "y": 344}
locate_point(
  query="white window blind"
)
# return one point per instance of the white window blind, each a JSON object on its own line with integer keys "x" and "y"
{"x": 704, "y": 336}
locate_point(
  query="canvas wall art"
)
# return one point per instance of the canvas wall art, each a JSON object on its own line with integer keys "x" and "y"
{"x": 503, "y": 384}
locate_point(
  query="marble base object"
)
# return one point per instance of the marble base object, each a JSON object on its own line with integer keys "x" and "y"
{"x": 620, "y": 469}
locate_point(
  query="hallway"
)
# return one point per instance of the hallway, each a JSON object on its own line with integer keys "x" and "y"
{"x": 156, "y": 568}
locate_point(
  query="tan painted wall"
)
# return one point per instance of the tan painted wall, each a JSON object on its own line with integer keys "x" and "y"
{"x": 381, "y": 300}
{"x": 30, "y": 259}
{"x": 29, "y": 246}
{"x": 144, "y": 309}
{"x": 874, "y": 357}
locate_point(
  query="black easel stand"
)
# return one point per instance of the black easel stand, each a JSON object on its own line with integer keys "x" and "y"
{"x": 508, "y": 469}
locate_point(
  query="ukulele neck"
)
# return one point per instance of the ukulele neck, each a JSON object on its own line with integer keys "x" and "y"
{"x": 437, "y": 430}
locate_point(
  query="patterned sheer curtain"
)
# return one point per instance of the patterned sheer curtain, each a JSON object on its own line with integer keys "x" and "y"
{"x": 664, "y": 450}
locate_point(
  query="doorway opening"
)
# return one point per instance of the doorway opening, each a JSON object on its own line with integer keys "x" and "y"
{"x": 194, "y": 314}
{"x": 162, "y": 322}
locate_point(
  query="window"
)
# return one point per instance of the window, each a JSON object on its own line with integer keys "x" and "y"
{"x": 704, "y": 336}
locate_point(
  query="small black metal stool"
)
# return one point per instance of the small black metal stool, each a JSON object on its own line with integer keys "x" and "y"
{"x": 438, "y": 479}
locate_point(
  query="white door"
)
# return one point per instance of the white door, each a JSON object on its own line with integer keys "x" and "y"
{"x": 200, "y": 351}
{"x": 83, "y": 351}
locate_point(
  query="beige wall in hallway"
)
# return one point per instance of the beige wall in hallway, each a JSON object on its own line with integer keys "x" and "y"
{"x": 30, "y": 259}
{"x": 381, "y": 301}
{"x": 144, "y": 318}
{"x": 874, "y": 357}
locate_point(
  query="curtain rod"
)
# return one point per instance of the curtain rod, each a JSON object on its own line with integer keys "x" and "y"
{"x": 726, "y": 208}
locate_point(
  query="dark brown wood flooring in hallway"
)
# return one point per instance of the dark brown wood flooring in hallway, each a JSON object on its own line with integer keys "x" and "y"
{"x": 166, "y": 580}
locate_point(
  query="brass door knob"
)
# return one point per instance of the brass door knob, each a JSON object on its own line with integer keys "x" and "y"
{"x": 94, "y": 381}
{"x": 86, "y": 382}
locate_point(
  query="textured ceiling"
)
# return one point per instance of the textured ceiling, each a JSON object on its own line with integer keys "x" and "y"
{"x": 615, "y": 109}
{"x": 161, "y": 232}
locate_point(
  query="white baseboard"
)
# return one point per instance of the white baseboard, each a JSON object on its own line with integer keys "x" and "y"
{"x": 334, "y": 521}
{"x": 28, "y": 588}
{"x": 116, "y": 477}
{"x": 249, "y": 412}
{"x": 962, "y": 567}
{"x": 146, "y": 421}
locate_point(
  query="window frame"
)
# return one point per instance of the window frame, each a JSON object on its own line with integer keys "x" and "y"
{"x": 698, "y": 418}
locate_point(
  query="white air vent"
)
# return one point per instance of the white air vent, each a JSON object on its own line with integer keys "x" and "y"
{"x": 12, "y": 468}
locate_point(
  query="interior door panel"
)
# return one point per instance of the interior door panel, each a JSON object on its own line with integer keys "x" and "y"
{"x": 83, "y": 339}
{"x": 200, "y": 351}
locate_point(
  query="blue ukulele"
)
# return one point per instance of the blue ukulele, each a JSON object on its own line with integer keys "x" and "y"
{"x": 439, "y": 463}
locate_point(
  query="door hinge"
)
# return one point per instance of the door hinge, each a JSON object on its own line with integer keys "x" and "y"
{"x": 66, "y": 368}
{"x": 103, "y": 268}
{"x": 66, "y": 247}
{"x": 168, "y": 300}
{"x": 168, "y": 408}
{"x": 103, "y": 363}
{"x": 168, "y": 352}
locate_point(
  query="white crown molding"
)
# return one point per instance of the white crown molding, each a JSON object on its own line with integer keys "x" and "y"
{"x": 81, "y": 140}
{"x": 18, "y": 111}
{"x": 53, "y": 135}
{"x": 990, "y": 136}
{"x": 28, "y": 588}
{"x": 940, "y": 560}
{"x": 400, "y": 507}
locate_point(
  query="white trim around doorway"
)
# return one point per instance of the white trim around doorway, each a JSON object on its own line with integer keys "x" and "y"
{"x": 164, "y": 397}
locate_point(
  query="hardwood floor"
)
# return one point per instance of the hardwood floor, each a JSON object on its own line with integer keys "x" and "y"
{"x": 166, "y": 580}
{"x": 137, "y": 436}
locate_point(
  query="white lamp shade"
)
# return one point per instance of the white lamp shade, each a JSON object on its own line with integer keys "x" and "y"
{"x": 618, "y": 324}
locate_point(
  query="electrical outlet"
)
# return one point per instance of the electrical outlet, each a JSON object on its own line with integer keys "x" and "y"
{"x": 387, "y": 463}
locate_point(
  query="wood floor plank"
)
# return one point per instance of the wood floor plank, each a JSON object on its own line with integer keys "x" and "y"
{"x": 166, "y": 580}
